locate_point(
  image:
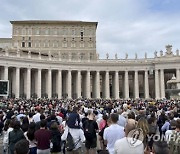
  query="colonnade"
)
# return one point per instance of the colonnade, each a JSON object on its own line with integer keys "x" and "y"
{"x": 81, "y": 83}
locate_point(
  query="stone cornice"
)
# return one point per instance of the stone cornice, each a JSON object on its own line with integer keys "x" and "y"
{"x": 112, "y": 65}
{"x": 51, "y": 22}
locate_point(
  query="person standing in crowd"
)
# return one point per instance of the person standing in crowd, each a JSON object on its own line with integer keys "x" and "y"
{"x": 166, "y": 125}
{"x": 36, "y": 117}
{"x": 38, "y": 124}
{"x": 90, "y": 127}
{"x": 14, "y": 136}
{"x": 78, "y": 138}
{"x": 122, "y": 120}
{"x": 8, "y": 127}
{"x": 25, "y": 124}
{"x": 161, "y": 121}
{"x": 113, "y": 133}
{"x": 29, "y": 135}
{"x": 159, "y": 147}
{"x": 18, "y": 147}
{"x": 55, "y": 139}
{"x": 174, "y": 139}
{"x": 123, "y": 146}
{"x": 143, "y": 124}
{"x": 43, "y": 137}
{"x": 74, "y": 118}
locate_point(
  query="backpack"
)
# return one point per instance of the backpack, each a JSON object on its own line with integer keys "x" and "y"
{"x": 89, "y": 130}
{"x": 69, "y": 142}
{"x": 174, "y": 143}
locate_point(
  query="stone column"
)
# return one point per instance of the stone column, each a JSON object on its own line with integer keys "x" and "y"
{"x": 157, "y": 94}
{"x": 69, "y": 84}
{"x": 136, "y": 85}
{"x": 177, "y": 74}
{"x": 107, "y": 92}
{"x": 17, "y": 82}
{"x": 59, "y": 81}
{"x": 39, "y": 84}
{"x": 88, "y": 85}
{"x": 5, "y": 72}
{"x": 126, "y": 85}
{"x": 146, "y": 84}
{"x": 116, "y": 92}
{"x": 97, "y": 84}
{"x": 78, "y": 84}
{"x": 49, "y": 90}
{"x": 162, "y": 84}
{"x": 28, "y": 90}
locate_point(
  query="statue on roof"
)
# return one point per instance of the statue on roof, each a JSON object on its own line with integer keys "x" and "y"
{"x": 145, "y": 55}
{"x": 126, "y": 56}
{"x": 107, "y": 56}
{"x": 136, "y": 56}
{"x": 161, "y": 53}
{"x": 169, "y": 50}
{"x": 155, "y": 54}
{"x": 116, "y": 57}
{"x": 177, "y": 52}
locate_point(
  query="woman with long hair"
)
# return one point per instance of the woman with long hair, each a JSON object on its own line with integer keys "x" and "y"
{"x": 143, "y": 125}
{"x": 25, "y": 124}
{"x": 29, "y": 135}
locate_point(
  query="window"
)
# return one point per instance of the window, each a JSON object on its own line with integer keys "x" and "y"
{"x": 29, "y": 31}
{"x": 82, "y": 35}
{"x": 29, "y": 38}
{"x": 55, "y": 31}
{"x": 29, "y": 44}
{"x": 91, "y": 56}
{"x": 73, "y": 32}
{"x": 37, "y": 32}
{"x": 73, "y": 45}
{"x": 16, "y": 32}
{"x": 23, "y": 31}
{"x": 73, "y": 56}
{"x": 23, "y": 44}
{"x": 64, "y": 31}
{"x": 82, "y": 56}
{"x": 81, "y": 44}
{"x": 47, "y": 32}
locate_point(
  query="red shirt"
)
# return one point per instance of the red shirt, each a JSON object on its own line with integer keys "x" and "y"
{"x": 43, "y": 137}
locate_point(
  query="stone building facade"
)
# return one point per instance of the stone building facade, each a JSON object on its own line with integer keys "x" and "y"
{"x": 59, "y": 59}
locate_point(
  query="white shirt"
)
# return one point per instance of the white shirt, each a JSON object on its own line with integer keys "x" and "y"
{"x": 6, "y": 135}
{"x": 77, "y": 135}
{"x": 112, "y": 134}
{"x": 168, "y": 134}
{"x": 36, "y": 117}
{"x": 122, "y": 146}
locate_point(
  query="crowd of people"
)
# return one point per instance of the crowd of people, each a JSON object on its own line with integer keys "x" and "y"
{"x": 90, "y": 126}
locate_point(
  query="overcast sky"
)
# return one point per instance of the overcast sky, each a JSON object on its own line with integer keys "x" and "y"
{"x": 123, "y": 25}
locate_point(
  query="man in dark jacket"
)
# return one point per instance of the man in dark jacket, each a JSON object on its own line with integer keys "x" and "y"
{"x": 74, "y": 119}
